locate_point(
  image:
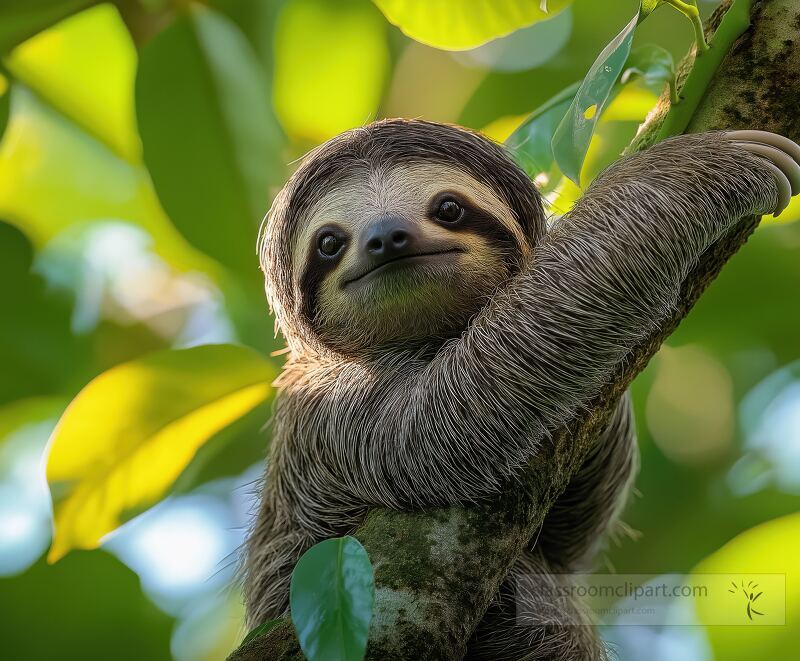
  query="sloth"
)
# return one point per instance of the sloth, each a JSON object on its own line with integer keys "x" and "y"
{"x": 440, "y": 328}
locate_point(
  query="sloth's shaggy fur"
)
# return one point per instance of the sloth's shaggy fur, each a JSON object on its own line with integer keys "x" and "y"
{"x": 450, "y": 419}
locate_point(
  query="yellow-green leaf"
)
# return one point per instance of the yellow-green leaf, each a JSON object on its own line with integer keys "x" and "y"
{"x": 463, "y": 24}
{"x": 62, "y": 65}
{"x": 768, "y": 549}
{"x": 126, "y": 437}
{"x": 331, "y": 61}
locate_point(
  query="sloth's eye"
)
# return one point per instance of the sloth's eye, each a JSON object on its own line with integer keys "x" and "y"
{"x": 449, "y": 211}
{"x": 330, "y": 244}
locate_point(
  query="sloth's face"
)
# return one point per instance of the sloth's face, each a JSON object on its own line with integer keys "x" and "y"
{"x": 405, "y": 255}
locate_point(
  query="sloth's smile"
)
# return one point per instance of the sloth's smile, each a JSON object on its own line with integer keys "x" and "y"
{"x": 401, "y": 261}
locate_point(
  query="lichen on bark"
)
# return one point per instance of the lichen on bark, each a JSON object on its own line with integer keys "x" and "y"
{"x": 436, "y": 571}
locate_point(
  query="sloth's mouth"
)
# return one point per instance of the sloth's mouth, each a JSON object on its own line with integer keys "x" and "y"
{"x": 404, "y": 259}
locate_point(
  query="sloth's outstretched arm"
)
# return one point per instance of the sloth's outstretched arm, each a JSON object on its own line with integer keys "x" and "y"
{"x": 602, "y": 281}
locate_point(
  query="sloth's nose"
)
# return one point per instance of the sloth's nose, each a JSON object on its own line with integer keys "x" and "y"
{"x": 389, "y": 237}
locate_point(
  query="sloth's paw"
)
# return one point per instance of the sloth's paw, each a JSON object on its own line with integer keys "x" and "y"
{"x": 782, "y": 156}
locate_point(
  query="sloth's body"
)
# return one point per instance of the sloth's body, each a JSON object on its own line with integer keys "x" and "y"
{"x": 438, "y": 332}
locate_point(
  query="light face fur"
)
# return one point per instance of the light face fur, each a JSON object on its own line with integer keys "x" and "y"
{"x": 428, "y": 292}
{"x": 395, "y": 174}
{"x": 420, "y": 380}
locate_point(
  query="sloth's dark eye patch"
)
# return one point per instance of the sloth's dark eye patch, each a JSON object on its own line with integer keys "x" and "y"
{"x": 449, "y": 211}
{"x": 330, "y": 244}
{"x": 325, "y": 248}
{"x": 460, "y": 214}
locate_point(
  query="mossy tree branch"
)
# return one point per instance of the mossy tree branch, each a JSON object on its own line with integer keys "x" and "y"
{"x": 437, "y": 570}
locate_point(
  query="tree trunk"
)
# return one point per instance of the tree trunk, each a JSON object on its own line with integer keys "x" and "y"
{"x": 437, "y": 570}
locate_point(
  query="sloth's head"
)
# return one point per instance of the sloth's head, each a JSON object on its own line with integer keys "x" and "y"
{"x": 396, "y": 233}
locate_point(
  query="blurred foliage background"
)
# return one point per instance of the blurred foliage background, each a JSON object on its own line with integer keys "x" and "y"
{"x": 142, "y": 144}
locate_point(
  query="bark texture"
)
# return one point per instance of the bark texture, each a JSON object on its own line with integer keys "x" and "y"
{"x": 437, "y": 570}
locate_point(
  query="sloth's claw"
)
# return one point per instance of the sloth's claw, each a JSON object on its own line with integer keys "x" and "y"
{"x": 765, "y": 137}
{"x": 780, "y": 154}
{"x": 782, "y": 160}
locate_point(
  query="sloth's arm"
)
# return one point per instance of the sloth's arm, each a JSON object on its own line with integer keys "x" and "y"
{"x": 601, "y": 282}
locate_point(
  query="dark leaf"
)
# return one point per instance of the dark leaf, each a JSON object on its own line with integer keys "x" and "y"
{"x": 21, "y": 19}
{"x": 531, "y": 144}
{"x": 210, "y": 140}
{"x": 331, "y": 598}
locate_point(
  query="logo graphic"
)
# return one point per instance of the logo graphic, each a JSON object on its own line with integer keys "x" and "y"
{"x": 749, "y": 594}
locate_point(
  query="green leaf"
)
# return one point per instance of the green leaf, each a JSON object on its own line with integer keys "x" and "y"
{"x": 20, "y": 19}
{"x": 125, "y": 439}
{"x": 36, "y": 345}
{"x": 464, "y": 24}
{"x": 574, "y": 133}
{"x": 94, "y": 609}
{"x": 260, "y": 630}
{"x": 651, "y": 63}
{"x": 531, "y": 143}
{"x": 331, "y": 599}
{"x": 210, "y": 140}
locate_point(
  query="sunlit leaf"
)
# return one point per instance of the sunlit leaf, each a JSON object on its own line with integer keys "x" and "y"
{"x": 463, "y": 24}
{"x": 126, "y": 437}
{"x": 632, "y": 104}
{"x": 766, "y": 549}
{"x": 210, "y": 142}
{"x": 523, "y": 49}
{"x": 574, "y": 133}
{"x": 20, "y": 19}
{"x": 228, "y": 453}
{"x": 62, "y": 65}
{"x": 331, "y": 60}
{"x": 331, "y": 599}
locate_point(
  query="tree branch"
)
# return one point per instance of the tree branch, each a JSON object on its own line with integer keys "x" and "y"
{"x": 437, "y": 570}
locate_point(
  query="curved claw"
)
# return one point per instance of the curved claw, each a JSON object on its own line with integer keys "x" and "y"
{"x": 786, "y": 163}
{"x": 765, "y": 137}
{"x": 780, "y": 154}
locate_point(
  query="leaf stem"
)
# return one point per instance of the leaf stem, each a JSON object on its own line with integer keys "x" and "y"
{"x": 733, "y": 25}
{"x": 690, "y": 11}
{"x": 674, "y": 98}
